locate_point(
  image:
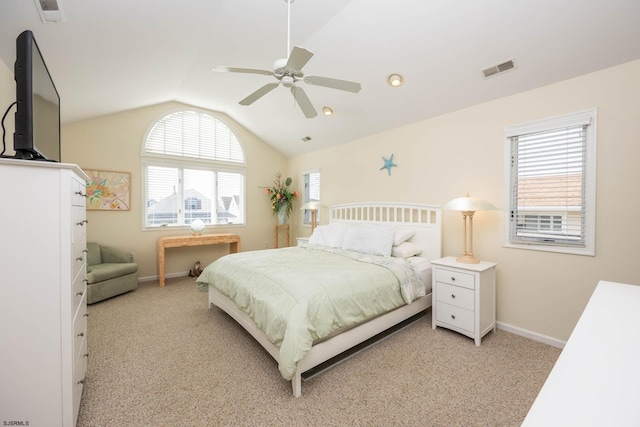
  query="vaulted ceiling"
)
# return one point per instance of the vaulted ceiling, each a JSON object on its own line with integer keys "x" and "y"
{"x": 110, "y": 56}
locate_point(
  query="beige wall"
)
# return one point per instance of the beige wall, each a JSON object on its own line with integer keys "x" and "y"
{"x": 445, "y": 157}
{"x": 7, "y": 96}
{"x": 438, "y": 159}
{"x": 114, "y": 143}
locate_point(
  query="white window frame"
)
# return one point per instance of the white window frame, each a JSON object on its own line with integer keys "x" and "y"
{"x": 182, "y": 163}
{"x": 306, "y": 214}
{"x": 587, "y": 117}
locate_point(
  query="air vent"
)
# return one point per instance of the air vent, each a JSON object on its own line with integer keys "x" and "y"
{"x": 500, "y": 68}
{"x": 50, "y": 11}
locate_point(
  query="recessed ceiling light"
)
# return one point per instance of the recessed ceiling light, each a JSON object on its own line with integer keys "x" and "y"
{"x": 328, "y": 111}
{"x": 395, "y": 80}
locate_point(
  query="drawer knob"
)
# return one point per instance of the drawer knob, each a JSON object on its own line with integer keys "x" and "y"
{"x": 80, "y": 193}
{"x": 83, "y": 222}
{"x": 79, "y": 293}
{"x": 81, "y": 334}
{"x": 453, "y": 316}
{"x": 81, "y": 381}
{"x": 453, "y": 296}
{"x": 86, "y": 315}
{"x": 79, "y": 258}
{"x": 86, "y": 355}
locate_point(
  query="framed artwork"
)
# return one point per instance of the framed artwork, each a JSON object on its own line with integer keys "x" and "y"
{"x": 108, "y": 191}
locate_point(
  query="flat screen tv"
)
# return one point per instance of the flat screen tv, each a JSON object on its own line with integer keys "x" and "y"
{"x": 37, "y": 118}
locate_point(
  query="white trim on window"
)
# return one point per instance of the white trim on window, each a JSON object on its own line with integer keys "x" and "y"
{"x": 532, "y": 168}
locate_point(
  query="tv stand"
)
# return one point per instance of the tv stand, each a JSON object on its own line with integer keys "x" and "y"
{"x": 30, "y": 155}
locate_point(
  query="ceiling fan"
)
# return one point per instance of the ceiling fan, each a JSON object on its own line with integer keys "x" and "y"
{"x": 289, "y": 73}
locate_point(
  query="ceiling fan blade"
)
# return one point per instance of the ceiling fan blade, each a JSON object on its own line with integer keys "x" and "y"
{"x": 241, "y": 70}
{"x": 304, "y": 102}
{"x": 259, "y": 94}
{"x": 298, "y": 58}
{"x": 333, "y": 83}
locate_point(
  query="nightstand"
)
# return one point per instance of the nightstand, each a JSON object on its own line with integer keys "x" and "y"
{"x": 464, "y": 297}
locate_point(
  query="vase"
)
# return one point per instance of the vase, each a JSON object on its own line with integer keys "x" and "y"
{"x": 282, "y": 216}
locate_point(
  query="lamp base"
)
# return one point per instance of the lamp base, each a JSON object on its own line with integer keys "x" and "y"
{"x": 468, "y": 259}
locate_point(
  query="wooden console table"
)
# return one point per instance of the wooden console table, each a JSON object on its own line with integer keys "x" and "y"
{"x": 203, "y": 239}
{"x": 276, "y": 236}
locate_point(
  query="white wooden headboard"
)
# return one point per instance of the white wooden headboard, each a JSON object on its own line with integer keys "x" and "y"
{"x": 425, "y": 219}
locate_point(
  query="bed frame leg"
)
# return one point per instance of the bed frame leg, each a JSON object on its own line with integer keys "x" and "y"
{"x": 296, "y": 384}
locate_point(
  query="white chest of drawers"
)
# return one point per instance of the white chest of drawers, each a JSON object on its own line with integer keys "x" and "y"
{"x": 43, "y": 308}
{"x": 464, "y": 297}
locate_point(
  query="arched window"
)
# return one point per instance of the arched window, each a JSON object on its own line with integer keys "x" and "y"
{"x": 193, "y": 168}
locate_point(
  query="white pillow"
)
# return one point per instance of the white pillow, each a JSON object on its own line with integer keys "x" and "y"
{"x": 330, "y": 235}
{"x": 402, "y": 235}
{"x": 369, "y": 239}
{"x": 405, "y": 250}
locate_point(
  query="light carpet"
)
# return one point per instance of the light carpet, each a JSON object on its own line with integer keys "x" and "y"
{"x": 160, "y": 357}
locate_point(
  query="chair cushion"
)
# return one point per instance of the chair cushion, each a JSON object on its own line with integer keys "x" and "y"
{"x": 101, "y": 272}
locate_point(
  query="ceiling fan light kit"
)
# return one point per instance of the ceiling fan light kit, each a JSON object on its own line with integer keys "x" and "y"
{"x": 289, "y": 73}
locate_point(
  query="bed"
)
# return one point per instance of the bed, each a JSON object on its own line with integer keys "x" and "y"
{"x": 363, "y": 273}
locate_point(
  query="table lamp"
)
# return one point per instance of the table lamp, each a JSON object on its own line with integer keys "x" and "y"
{"x": 468, "y": 206}
{"x": 313, "y": 206}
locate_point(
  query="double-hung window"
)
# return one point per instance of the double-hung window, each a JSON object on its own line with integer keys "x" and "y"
{"x": 311, "y": 192}
{"x": 193, "y": 168}
{"x": 551, "y": 186}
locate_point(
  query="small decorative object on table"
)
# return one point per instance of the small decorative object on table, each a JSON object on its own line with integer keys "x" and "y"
{"x": 197, "y": 226}
{"x": 281, "y": 198}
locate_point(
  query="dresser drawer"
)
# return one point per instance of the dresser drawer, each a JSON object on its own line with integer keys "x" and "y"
{"x": 78, "y": 192}
{"x": 457, "y": 278}
{"x": 78, "y": 260}
{"x": 79, "y": 224}
{"x": 455, "y": 316}
{"x": 80, "y": 326}
{"x": 79, "y": 376}
{"x": 455, "y": 295}
{"x": 78, "y": 293}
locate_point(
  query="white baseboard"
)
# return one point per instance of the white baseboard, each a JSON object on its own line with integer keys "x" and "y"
{"x": 166, "y": 276}
{"x": 531, "y": 335}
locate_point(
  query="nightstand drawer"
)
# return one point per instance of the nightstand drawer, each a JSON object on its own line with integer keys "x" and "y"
{"x": 455, "y": 278}
{"x": 456, "y": 295}
{"x": 455, "y": 316}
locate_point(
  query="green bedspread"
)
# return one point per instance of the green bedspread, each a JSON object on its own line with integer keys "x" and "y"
{"x": 297, "y": 295}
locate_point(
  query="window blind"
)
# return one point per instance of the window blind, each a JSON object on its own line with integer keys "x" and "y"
{"x": 196, "y": 135}
{"x": 311, "y": 192}
{"x": 193, "y": 169}
{"x": 548, "y": 187}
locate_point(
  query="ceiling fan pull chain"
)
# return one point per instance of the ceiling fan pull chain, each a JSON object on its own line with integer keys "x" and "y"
{"x": 288, "y": 27}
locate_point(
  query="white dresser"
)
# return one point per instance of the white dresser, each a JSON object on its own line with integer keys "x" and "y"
{"x": 464, "y": 297}
{"x": 595, "y": 381}
{"x": 43, "y": 306}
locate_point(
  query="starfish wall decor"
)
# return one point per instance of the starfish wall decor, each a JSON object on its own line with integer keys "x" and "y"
{"x": 388, "y": 164}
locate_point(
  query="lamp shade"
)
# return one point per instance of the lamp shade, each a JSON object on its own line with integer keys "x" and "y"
{"x": 468, "y": 203}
